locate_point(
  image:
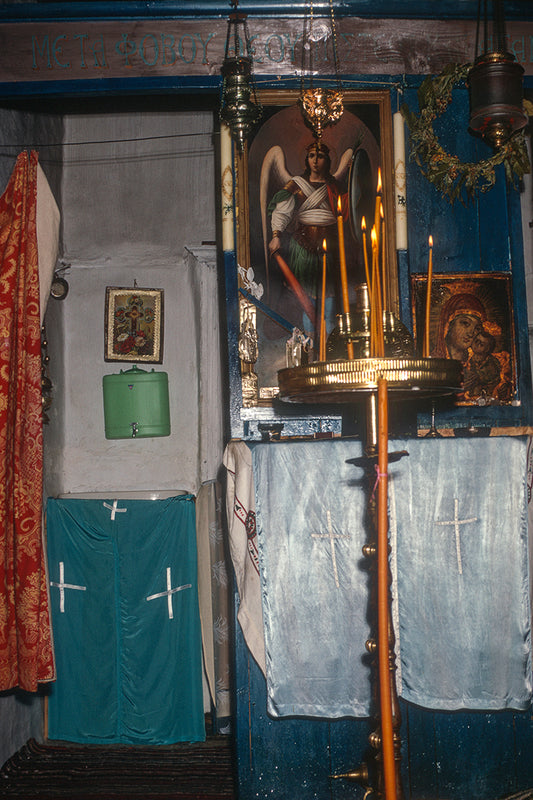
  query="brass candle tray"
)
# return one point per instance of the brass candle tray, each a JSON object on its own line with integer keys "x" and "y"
{"x": 342, "y": 381}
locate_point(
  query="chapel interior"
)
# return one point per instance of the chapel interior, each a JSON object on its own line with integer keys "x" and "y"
{"x": 148, "y": 190}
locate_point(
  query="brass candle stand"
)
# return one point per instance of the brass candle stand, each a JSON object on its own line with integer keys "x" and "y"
{"x": 374, "y": 380}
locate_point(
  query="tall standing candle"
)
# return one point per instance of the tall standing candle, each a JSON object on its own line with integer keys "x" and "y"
{"x": 379, "y": 310}
{"x": 384, "y": 276}
{"x": 425, "y": 351}
{"x": 344, "y": 273}
{"x": 400, "y": 205}
{"x": 378, "y": 203}
{"x": 373, "y": 298}
{"x": 376, "y": 324}
{"x": 365, "y": 254}
{"x": 384, "y": 623}
{"x": 226, "y": 182}
{"x": 322, "y": 354}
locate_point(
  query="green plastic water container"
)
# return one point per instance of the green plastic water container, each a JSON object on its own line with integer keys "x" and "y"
{"x": 136, "y": 404}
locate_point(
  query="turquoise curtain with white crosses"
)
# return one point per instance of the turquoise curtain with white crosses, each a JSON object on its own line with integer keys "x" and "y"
{"x": 124, "y": 600}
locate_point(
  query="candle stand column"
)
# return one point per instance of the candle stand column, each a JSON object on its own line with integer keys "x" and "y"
{"x": 385, "y": 740}
{"x": 374, "y": 380}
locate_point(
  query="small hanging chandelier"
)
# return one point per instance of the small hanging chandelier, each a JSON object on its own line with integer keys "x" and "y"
{"x": 495, "y": 82}
{"x": 320, "y": 107}
{"x": 237, "y": 108}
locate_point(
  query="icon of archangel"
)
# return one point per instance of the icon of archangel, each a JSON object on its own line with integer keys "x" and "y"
{"x": 297, "y": 188}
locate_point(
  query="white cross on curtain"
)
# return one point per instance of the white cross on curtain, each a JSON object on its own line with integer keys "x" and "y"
{"x": 61, "y": 585}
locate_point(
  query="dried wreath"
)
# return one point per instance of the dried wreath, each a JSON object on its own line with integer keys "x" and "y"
{"x": 446, "y": 171}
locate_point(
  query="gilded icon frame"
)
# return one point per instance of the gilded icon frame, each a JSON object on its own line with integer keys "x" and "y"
{"x": 487, "y": 344}
{"x": 134, "y": 325}
{"x": 365, "y": 125}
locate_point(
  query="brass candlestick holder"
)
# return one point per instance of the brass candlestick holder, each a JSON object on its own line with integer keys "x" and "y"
{"x": 397, "y": 374}
{"x": 340, "y": 379}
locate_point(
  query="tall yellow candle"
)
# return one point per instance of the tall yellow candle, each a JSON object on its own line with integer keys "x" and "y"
{"x": 425, "y": 351}
{"x": 322, "y": 353}
{"x": 344, "y": 273}
{"x": 372, "y": 313}
{"x": 384, "y": 277}
{"x": 365, "y": 254}
{"x": 377, "y": 304}
{"x": 374, "y": 301}
{"x": 378, "y": 203}
{"x": 226, "y": 184}
{"x": 384, "y": 622}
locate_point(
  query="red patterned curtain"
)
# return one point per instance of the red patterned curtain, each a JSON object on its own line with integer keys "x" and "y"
{"x": 26, "y": 656}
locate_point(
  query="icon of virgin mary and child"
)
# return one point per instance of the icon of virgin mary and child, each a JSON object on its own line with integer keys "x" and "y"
{"x": 467, "y": 335}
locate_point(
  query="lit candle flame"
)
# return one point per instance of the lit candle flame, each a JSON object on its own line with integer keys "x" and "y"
{"x": 324, "y": 245}
{"x": 431, "y": 241}
{"x": 379, "y": 189}
{"x": 339, "y": 205}
{"x": 363, "y": 224}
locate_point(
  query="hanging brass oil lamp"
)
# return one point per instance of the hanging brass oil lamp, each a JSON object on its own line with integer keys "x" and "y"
{"x": 238, "y": 109}
{"x": 495, "y": 81}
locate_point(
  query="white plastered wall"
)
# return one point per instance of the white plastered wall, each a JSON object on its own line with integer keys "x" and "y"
{"x": 134, "y": 208}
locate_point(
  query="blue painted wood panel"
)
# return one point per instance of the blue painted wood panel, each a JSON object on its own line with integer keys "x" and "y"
{"x": 290, "y": 757}
{"x": 461, "y": 755}
{"x": 479, "y": 235}
{"x": 420, "y": 774}
{"x": 523, "y": 733}
{"x": 445, "y": 756}
{"x": 418, "y": 9}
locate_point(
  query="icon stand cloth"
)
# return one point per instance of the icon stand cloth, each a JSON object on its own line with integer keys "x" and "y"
{"x": 459, "y": 527}
{"x": 124, "y": 598}
{"x": 459, "y": 539}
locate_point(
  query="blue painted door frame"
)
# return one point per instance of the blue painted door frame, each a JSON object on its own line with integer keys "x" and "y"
{"x": 174, "y": 9}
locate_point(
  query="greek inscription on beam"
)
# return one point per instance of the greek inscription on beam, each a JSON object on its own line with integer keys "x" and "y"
{"x": 151, "y": 50}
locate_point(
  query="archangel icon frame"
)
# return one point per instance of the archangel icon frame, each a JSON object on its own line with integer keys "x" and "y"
{"x": 358, "y": 149}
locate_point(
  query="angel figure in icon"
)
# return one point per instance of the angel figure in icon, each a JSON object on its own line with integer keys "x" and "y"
{"x": 303, "y": 184}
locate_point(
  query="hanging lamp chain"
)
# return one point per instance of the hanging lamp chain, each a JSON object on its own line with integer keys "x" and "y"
{"x": 320, "y": 107}
{"x": 335, "y": 48}
{"x": 307, "y": 38}
{"x": 498, "y": 43}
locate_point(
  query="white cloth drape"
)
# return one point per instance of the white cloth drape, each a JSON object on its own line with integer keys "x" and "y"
{"x": 213, "y": 595}
{"x": 459, "y": 538}
{"x": 240, "y": 510}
